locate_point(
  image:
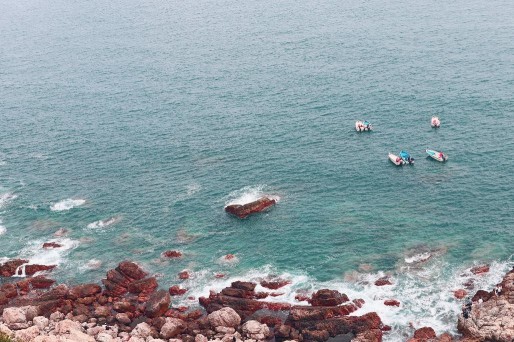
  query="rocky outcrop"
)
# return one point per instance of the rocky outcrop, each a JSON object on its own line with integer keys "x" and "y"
{"x": 243, "y": 210}
{"x": 491, "y": 316}
{"x": 328, "y": 297}
{"x": 225, "y": 317}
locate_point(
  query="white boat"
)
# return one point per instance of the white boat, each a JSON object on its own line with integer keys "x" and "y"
{"x": 439, "y": 156}
{"x": 362, "y": 126}
{"x": 435, "y": 122}
{"x": 396, "y": 160}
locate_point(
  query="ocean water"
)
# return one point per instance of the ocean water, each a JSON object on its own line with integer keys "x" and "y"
{"x": 133, "y": 123}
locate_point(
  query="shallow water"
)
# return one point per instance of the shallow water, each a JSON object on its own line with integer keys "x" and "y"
{"x": 132, "y": 124}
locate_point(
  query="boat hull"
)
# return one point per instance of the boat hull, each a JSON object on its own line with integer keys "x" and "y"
{"x": 396, "y": 160}
{"x": 435, "y": 122}
{"x": 361, "y": 127}
{"x": 436, "y": 155}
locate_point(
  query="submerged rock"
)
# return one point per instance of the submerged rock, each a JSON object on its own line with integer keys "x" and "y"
{"x": 243, "y": 210}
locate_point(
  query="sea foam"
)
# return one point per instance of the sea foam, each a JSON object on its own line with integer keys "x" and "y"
{"x": 67, "y": 204}
{"x": 249, "y": 194}
{"x": 104, "y": 223}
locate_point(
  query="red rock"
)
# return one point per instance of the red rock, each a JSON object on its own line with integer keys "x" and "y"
{"x": 9, "y": 290}
{"x": 131, "y": 270}
{"x": 480, "y": 269}
{"x": 24, "y": 286}
{"x": 460, "y": 293}
{"x": 424, "y": 333}
{"x": 157, "y": 304}
{"x": 84, "y": 290}
{"x": 191, "y": 297}
{"x": 242, "y": 211}
{"x": 51, "y": 245}
{"x": 261, "y": 295}
{"x": 391, "y": 302}
{"x": 3, "y": 299}
{"x": 315, "y": 335}
{"x": 8, "y": 268}
{"x": 233, "y": 292}
{"x": 302, "y": 297}
{"x": 276, "y": 294}
{"x": 118, "y": 278}
{"x": 383, "y": 281}
{"x": 229, "y": 257}
{"x": 146, "y": 285}
{"x": 359, "y": 302}
{"x": 184, "y": 275}
{"x": 270, "y": 321}
{"x": 31, "y": 269}
{"x": 182, "y": 308}
{"x": 386, "y": 328}
{"x": 469, "y": 284}
{"x": 41, "y": 282}
{"x": 219, "y": 275}
{"x": 175, "y": 290}
{"x": 194, "y": 315}
{"x": 113, "y": 289}
{"x": 275, "y": 284}
{"x": 123, "y": 306}
{"x": 172, "y": 254}
{"x": 326, "y": 297}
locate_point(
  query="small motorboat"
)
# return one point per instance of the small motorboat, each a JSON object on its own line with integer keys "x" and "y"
{"x": 362, "y": 126}
{"x": 396, "y": 160}
{"x": 439, "y": 156}
{"x": 435, "y": 122}
{"x": 406, "y": 157}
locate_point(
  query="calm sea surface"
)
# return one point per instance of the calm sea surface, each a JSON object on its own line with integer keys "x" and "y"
{"x": 133, "y": 123}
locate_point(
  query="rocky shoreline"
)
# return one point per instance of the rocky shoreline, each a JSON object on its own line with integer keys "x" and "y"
{"x": 129, "y": 306}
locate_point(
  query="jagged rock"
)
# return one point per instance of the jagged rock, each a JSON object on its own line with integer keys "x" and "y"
{"x": 383, "y": 281}
{"x": 460, "y": 293}
{"x": 424, "y": 333}
{"x": 175, "y": 290}
{"x": 146, "y": 285}
{"x": 172, "y": 254}
{"x": 131, "y": 270}
{"x": 226, "y": 317}
{"x": 123, "y": 318}
{"x": 41, "y": 282}
{"x": 391, "y": 302}
{"x": 172, "y": 327}
{"x": 326, "y": 297}
{"x": 15, "y": 318}
{"x": 8, "y": 268}
{"x": 102, "y": 311}
{"x": 256, "y": 330}
{"x": 157, "y": 304}
{"x": 275, "y": 284}
{"x": 9, "y": 290}
{"x": 243, "y": 285}
{"x": 27, "y": 335}
{"x": 242, "y": 211}
{"x": 41, "y": 322}
{"x": 142, "y": 330}
{"x": 56, "y": 316}
{"x": 51, "y": 245}
{"x": 480, "y": 269}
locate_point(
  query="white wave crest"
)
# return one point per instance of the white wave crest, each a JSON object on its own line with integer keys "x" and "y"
{"x": 67, "y": 204}
{"x": 104, "y": 223}
{"x": 421, "y": 257}
{"x": 249, "y": 194}
{"x": 2, "y": 229}
{"x": 6, "y": 198}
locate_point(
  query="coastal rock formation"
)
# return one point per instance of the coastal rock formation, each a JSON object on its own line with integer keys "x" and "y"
{"x": 490, "y": 317}
{"x": 243, "y": 210}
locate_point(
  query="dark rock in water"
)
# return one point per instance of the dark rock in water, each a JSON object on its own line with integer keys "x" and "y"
{"x": 275, "y": 284}
{"x": 118, "y": 278}
{"x": 460, "y": 293}
{"x": 184, "y": 275}
{"x": 113, "y": 289}
{"x": 172, "y": 254}
{"x": 391, "y": 302}
{"x": 243, "y": 285}
{"x": 424, "y": 333}
{"x": 383, "y": 281}
{"x": 243, "y": 210}
{"x": 326, "y": 297}
{"x": 8, "y": 268}
{"x": 51, "y": 245}
{"x": 131, "y": 270}
{"x": 157, "y": 304}
{"x": 480, "y": 269}
{"x": 31, "y": 269}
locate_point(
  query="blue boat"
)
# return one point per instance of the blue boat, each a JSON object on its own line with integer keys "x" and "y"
{"x": 406, "y": 157}
{"x": 439, "y": 156}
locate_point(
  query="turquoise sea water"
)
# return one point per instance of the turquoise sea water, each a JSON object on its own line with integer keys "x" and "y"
{"x": 157, "y": 114}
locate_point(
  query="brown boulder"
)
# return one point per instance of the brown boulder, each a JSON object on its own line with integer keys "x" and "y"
{"x": 84, "y": 290}
{"x": 9, "y": 290}
{"x": 184, "y": 275}
{"x": 460, "y": 293}
{"x": 244, "y": 210}
{"x": 157, "y": 304}
{"x": 131, "y": 270}
{"x": 113, "y": 289}
{"x": 243, "y": 285}
{"x": 31, "y": 269}
{"x": 424, "y": 333}
{"x": 326, "y": 297}
{"x": 146, "y": 285}
{"x": 41, "y": 282}
{"x": 383, "y": 281}
{"x": 118, "y": 278}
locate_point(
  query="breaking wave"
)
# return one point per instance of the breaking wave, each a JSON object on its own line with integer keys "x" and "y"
{"x": 249, "y": 194}
{"x": 67, "y": 204}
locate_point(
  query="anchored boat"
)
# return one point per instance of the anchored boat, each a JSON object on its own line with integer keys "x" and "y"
{"x": 362, "y": 126}
{"x": 407, "y": 157}
{"x": 396, "y": 160}
{"x": 435, "y": 122}
{"x": 439, "y": 156}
